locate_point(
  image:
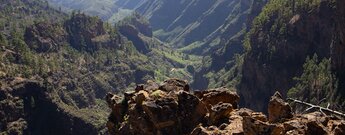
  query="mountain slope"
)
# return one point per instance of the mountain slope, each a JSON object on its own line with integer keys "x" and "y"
{"x": 102, "y": 8}
{"x": 67, "y": 65}
{"x": 186, "y": 22}
{"x": 22, "y": 13}
{"x": 278, "y": 45}
{"x": 201, "y": 24}
{"x": 223, "y": 67}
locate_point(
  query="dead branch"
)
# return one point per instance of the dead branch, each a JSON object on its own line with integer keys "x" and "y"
{"x": 321, "y": 109}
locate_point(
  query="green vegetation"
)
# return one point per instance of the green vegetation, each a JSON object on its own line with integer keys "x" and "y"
{"x": 228, "y": 76}
{"x": 280, "y": 39}
{"x": 174, "y": 64}
{"x": 17, "y": 14}
{"x": 317, "y": 84}
{"x": 274, "y": 19}
{"x": 83, "y": 31}
{"x": 191, "y": 47}
{"x": 80, "y": 58}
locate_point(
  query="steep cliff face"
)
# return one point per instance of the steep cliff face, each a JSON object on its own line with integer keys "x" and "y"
{"x": 87, "y": 33}
{"x": 136, "y": 28}
{"x": 45, "y": 37}
{"x": 27, "y": 108}
{"x": 280, "y": 40}
{"x": 223, "y": 66}
{"x": 338, "y": 46}
{"x": 140, "y": 23}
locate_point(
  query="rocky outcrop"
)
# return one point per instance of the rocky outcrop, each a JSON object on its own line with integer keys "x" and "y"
{"x": 132, "y": 34}
{"x": 278, "y": 109}
{"x": 87, "y": 33}
{"x": 212, "y": 112}
{"x": 135, "y": 28}
{"x": 45, "y": 37}
{"x": 214, "y": 96}
{"x": 141, "y": 24}
{"x": 174, "y": 85}
{"x": 163, "y": 110}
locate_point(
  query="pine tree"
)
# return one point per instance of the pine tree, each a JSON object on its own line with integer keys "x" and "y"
{"x": 316, "y": 83}
{"x": 3, "y": 40}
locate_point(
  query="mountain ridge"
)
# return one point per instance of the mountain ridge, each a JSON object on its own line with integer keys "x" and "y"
{"x": 75, "y": 60}
{"x": 56, "y": 68}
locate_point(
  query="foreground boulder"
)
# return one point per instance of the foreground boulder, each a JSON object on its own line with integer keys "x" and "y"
{"x": 171, "y": 109}
{"x": 215, "y": 96}
{"x": 278, "y": 109}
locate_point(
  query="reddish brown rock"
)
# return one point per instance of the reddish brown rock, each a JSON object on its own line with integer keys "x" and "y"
{"x": 201, "y": 131}
{"x": 256, "y": 115}
{"x": 220, "y": 113}
{"x": 162, "y": 114}
{"x": 215, "y": 96}
{"x": 312, "y": 123}
{"x": 173, "y": 111}
{"x": 141, "y": 96}
{"x": 174, "y": 85}
{"x": 191, "y": 111}
{"x": 116, "y": 116}
{"x": 212, "y": 130}
{"x": 278, "y": 109}
{"x": 236, "y": 124}
{"x": 139, "y": 87}
{"x": 149, "y": 86}
{"x": 252, "y": 126}
{"x": 315, "y": 127}
{"x": 336, "y": 127}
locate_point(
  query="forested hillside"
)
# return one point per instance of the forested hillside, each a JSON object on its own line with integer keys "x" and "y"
{"x": 172, "y": 67}
{"x": 259, "y": 50}
{"x": 71, "y": 62}
{"x": 295, "y": 47}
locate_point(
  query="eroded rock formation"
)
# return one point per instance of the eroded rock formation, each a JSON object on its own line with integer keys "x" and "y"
{"x": 152, "y": 110}
{"x": 27, "y": 107}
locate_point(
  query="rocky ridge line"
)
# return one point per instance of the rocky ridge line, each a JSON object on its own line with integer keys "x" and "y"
{"x": 171, "y": 108}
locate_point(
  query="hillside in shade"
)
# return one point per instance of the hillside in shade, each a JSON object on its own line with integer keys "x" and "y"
{"x": 157, "y": 67}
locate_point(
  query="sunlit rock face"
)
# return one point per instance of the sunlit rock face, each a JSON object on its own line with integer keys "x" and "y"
{"x": 177, "y": 110}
